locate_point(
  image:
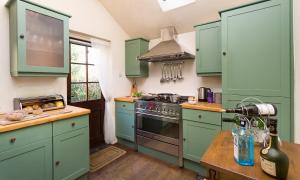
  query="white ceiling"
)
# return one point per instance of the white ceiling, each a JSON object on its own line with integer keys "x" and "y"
{"x": 144, "y": 18}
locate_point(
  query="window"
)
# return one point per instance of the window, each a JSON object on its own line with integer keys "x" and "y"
{"x": 84, "y": 84}
{"x": 167, "y": 5}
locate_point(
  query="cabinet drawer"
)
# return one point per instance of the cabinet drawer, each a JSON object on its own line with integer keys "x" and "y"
{"x": 124, "y": 106}
{"x": 20, "y": 137}
{"x": 63, "y": 126}
{"x": 202, "y": 116}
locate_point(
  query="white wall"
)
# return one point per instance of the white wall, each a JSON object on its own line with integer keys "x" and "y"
{"x": 88, "y": 16}
{"x": 190, "y": 83}
{"x": 297, "y": 69}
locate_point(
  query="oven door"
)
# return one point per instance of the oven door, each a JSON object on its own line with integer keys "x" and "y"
{"x": 160, "y": 128}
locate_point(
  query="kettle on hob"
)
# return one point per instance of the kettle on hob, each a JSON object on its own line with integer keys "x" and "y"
{"x": 202, "y": 94}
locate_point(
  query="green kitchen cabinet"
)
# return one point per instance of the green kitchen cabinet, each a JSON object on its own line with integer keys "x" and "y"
{"x": 125, "y": 121}
{"x": 71, "y": 154}
{"x": 283, "y": 106}
{"x": 39, "y": 40}
{"x": 197, "y": 138}
{"x": 24, "y": 155}
{"x": 199, "y": 129}
{"x": 257, "y": 49}
{"x": 256, "y": 58}
{"x": 133, "y": 49}
{"x": 30, "y": 162}
{"x": 208, "y": 49}
{"x": 58, "y": 150}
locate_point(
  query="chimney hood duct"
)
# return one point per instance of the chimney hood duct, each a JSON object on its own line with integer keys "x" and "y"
{"x": 168, "y": 49}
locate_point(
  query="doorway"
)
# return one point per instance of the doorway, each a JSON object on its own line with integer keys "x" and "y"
{"x": 84, "y": 89}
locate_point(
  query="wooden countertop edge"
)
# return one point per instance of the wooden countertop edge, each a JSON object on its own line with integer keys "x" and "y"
{"x": 124, "y": 99}
{"x": 45, "y": 120}
{"x": 204, "y": 107}
{"x": 219, "y": 169}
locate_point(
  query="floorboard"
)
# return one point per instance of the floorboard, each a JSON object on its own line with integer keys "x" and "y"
{"x": 137, "y": 166}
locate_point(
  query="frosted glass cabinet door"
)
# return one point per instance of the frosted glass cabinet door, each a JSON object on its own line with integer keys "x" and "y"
{"x": 43, "y": 40}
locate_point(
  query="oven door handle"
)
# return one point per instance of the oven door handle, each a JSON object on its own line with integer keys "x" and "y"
{"x": 163, "y": 118}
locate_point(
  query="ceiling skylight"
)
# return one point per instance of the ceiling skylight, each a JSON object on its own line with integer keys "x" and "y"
{"x": 167, "y": 5}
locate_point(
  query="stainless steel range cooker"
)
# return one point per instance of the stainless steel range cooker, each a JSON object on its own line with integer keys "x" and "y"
{"x": 159, "y": 126}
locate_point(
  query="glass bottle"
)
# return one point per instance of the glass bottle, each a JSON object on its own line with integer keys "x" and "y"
{"x": 273, "y": 161}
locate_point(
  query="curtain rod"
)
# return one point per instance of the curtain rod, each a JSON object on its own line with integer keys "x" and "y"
{"x": 88, "y": 35}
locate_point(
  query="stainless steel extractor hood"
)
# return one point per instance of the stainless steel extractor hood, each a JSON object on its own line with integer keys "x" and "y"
{"x": 167, "y": 50}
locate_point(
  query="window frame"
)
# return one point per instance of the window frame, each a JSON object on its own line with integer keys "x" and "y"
{"x": 86, "y": 45}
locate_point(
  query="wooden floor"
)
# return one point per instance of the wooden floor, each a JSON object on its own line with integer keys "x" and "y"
{"x": 137, "y": 166}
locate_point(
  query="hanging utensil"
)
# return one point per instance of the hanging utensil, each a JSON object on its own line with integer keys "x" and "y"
{"x": 174, "y": 72}
{"x": 180, "y": 70}
{"x": 162, "y": 73}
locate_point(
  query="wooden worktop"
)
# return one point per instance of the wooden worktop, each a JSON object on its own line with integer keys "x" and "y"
{"x": 53, "y": 116}
{"x": 204, "y": 106}
{"x": 219, "y": 156}
{"x": 125, "y": 99}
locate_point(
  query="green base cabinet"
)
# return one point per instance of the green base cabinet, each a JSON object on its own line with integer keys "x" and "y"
{"x": 39, "y": 40}
{"x": 208, "y": 49}
{"x": 125, "y": 121}
{"x": 58, "y": 150}
{"x": 71, "y": 154}
{"x": 283, "y": 106}
{"x": 199, "y": 130}
{"x": 133, "y": 49}
{"x": 197, "y": 137}
{"x": 30, "y": 162}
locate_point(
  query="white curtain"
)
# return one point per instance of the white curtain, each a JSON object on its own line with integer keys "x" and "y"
{"x": 100, "y": 55}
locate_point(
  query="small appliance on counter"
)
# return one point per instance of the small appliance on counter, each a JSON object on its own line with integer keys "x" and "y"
{"x": 41, "y": 103}
{"x": 203, "y": 94}
{"x": 218, "y": 97}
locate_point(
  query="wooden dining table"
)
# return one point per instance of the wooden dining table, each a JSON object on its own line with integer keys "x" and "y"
{"x": 219, "y": 159}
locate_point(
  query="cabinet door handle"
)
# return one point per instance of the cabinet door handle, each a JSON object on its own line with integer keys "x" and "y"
{"x": 132, "y": 126}
{"x": 197, "y": 49}
{"x": 73, "y": 124}
{"x": 13, "y": 140}
{"x": 57, "y": 163}
{"x": 124, "y": 105}
{"x": 224, "y": 53}
{"x": 199, "y": 116}
{"x": 184, "y": 139}
{"x": 22, "y": 36}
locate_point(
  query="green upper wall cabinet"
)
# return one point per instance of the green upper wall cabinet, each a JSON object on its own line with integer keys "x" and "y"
{"x": 39, "y": 40}
{"x": 208, "y": 49}
{"x": 133, "y": 49}
{"x": 256, "y": 49}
